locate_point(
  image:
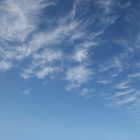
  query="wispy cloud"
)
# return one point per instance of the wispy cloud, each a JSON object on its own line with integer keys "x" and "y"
{"x": 103, "y": 81}
{"x": 77, "y": 75}
{"x": 19, "y": 18}
{"x": 87, "y": 92}
{"x": 5, "y": 65}
{"x": 73, "y": 44}
{"x": 135, "y": 75}
{"x": 122, "y": 85}
{"x": 34, "y": 45}
{"x": 124, "y": 93}
{"x": 43, "y": 64}
{"x": 127, "y": 101}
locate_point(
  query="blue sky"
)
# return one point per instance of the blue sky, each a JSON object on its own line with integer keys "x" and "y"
{"x": 69, "y": 70}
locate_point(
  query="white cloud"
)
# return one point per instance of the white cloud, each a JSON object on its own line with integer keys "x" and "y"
{"x": 46, "y": 56}
{"x": 123, "y": 85}
{"x": 81, "y": 54}
{"x": 45, "y": 71}
{"x": 77, "y": 75}
{"x": 5, "y": 65}
{"x": 19, "y": 18}
{"x": 103, "y": 81}
{"x": 135, "y": 75}
{"x": 127, "y": 100}
{"x": 40, "y": 72}
{"x": 87, "y": 92}
{"x": 124, "y": 93}
{"x": 65, "y": 46}
{"x": 106, "y": 5}
{"x": 43, "y": 64}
